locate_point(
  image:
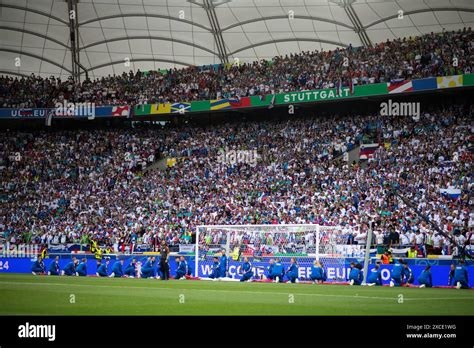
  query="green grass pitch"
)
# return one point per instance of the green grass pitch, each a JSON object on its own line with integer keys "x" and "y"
{"x": 22, "y": 294}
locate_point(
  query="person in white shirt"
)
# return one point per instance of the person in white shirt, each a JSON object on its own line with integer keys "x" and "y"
{"x": 419, "y": 238}
{"x": 404, "y": 241}
{"x": 438, "y": 242}
{"x": 378, "y": 237}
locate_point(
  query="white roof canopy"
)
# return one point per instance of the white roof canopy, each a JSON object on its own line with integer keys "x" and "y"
{"x": 159, "y": 34}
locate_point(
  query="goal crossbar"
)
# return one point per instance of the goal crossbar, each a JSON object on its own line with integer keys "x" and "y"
{"x": 318, "y": 230}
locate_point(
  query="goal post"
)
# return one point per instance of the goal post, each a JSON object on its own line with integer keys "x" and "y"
{"x": 260, "y": 243}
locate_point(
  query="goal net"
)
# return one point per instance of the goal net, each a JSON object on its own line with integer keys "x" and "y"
{"x": 262, "y": 243}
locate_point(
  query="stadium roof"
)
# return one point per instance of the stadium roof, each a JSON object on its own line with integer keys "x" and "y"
{"x": 157, "y": 34}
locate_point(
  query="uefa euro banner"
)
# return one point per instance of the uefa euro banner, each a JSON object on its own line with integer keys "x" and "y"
{"x": 68, "y": 110}
{"x": 25, "y": 113}
{"x": 335, "y": 271}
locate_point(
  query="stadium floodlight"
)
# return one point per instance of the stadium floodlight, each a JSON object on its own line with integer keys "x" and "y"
{"x": 305, "y": 242}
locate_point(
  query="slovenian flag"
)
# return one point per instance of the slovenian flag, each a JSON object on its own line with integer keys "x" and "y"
{"x": 367, "y": 150}
{"x": 451, "y": 192}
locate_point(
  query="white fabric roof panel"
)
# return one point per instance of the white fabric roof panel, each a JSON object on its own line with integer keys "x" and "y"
{"x": 152, "y": 35}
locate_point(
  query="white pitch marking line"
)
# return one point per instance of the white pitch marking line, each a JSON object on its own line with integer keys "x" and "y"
{"x": 248, "y": 292}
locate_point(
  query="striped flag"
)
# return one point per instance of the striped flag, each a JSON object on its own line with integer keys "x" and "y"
{"x": 351, "y": 86}
{"x": 339, "y": 88}
{"x": 219, "y": 104}
{"x": 451, "y": 192}
{"x": 397, "y": 86}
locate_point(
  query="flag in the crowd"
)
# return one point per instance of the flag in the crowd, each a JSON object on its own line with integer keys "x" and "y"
{"x": 170, "y": 162}
{"x": 449, "y": 81}
{"x": 397, "y": 86}
{"x": 339, "y": 87}
{"x": 236, "y": 254}
{"x": 451, "y": 192}
{"x": 120, "y": 110}
{"x": 262, "y": 197}
{"x": 351, "y": 86}
{"x": 239, "y": 102}
{"x": 272, "y": 102}
{"x": 180, "y": 107}
{"x": 220, "y": 104}
{"x": 367, "y": 150}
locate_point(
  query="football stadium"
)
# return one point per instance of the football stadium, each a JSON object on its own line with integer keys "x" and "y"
{"x": 236, "y": 158}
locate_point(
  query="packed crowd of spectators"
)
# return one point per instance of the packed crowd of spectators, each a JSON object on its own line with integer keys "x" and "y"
{"x": 434, "y": 54}
{"x": 69, "y": 186}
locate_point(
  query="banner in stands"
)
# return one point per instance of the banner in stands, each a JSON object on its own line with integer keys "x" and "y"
{"x": 66, "y": 248}
{"x": 100, "y": 111}
{"x": 25, "y": 113}
{"x": 404, "y": 86}
{"x": 186, "y": 248}
{"x": 312, "y": 96}
{"x": 338, "y": 269}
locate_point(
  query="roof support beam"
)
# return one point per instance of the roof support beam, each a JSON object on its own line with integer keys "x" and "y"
{"x": 336, "y": 43}
{"x": 150, "y": 15}
{"x": 27, "y": 9}
{"x": 140, "y": 60}
{"x": 34, "y": 33}
{"x": 433, "y": 9}
{"x": 311, "y": 18}
{"x": 216, "y": 29}
{"x": 358, "y": 27}
{"x": 148, "y": 37}
{"x": 72, "y": 40}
